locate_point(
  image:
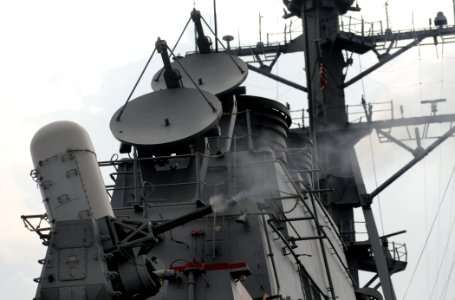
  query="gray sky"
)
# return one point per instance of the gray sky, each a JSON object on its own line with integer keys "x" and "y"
{"x": 78, "y": 60}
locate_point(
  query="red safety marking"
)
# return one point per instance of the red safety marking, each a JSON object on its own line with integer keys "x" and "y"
{"x": 197, "y": 232}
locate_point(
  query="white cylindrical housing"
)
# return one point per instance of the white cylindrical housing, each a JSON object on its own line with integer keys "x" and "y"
{"x": 68, "y": 174}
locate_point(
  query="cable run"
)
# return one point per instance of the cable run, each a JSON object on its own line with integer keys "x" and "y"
{"x": 135, "y": 86}
{"x": 429, "y": 233}
{"x": 446, "y": 248}
{"x": 192, "y": 81}
{"x": 372, "y": 153}
{"x": 446, "y": 285}
{"x": 442, "y": 70}
{"x": 157, "y": 77}
{"x": 361, "y": 80}
{"x": 376, "y": 183}
{"x": 225, "y": 49}
{"x": 452, "y": 226}
{"x": 427, "y": 281}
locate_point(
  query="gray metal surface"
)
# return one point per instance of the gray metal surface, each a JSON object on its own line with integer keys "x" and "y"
{"x": 256, "y": 103}
{"x": 165, "y": 117}
{"x": 373, "y": 235}
{"x": 200, "y": 251}
{"x": 274, "y": 235}
{"x": 67, "y": 173}
{"x": 216, "y": 73}
{"x": 73, "y": 269}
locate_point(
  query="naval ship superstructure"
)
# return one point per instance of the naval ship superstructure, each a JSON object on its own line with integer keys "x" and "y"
{"x": 215, "y": 195}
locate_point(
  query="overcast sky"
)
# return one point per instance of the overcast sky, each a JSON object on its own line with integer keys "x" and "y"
{"x": 78, "y": 60}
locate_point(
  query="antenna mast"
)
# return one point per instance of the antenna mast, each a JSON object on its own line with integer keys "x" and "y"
{"x": 216, "y": 26}
{"x": 387, "y": 14}
{"x": 260, "y": 27}
{"x": 453, "y": 1}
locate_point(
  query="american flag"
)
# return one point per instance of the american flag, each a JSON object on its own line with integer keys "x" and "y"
{"x": 322, "y": 77}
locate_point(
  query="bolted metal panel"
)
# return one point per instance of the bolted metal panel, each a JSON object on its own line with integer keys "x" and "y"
{"x": 72, "y": 264}
{"x": 72, "y": 293}
{"x": 75, "y": 234}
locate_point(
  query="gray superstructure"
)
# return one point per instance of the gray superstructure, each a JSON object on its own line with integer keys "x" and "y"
{"x": 216, "y": 196}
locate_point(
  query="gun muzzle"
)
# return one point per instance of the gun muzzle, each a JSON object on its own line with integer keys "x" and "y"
{"x": 196, "y": 214}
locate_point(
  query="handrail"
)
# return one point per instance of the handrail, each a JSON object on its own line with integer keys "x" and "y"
{"x": 325, "y": 214}
{"x": 296, "y": 256}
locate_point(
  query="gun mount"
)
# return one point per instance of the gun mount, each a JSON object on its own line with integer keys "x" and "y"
{"x": 91, "y": 253}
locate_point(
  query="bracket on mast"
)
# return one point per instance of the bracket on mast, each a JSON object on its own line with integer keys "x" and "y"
{"x": 383, "y": 61}
{"x": 418, "y": 158}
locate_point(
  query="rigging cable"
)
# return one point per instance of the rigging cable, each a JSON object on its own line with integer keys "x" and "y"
{"x": 193, "y": 82}
{"x": 173, "y": 48}
{"x": 453, "y": 259}
{"x": 277, "y": 91}
{"x": 452, "y": 226}
{"x": 312, "y": 122}
{"x": 135, "y": 85}
{"x": 442, "y": 69}
{"x": 224, "y": 47}
{"x": 451, "y": 220}
{"x": 216, "y": 25}
{"x": 372, "y": 154}
{"x": 429, "y": 233}
{"x": 425, "y": 198}
{"x": 446, "y": 285}
{"x": 440, "y": 125}
{"x": 451, "y": 213}
{"x": 376, "y": 183}
{"x": 145, "y": 68}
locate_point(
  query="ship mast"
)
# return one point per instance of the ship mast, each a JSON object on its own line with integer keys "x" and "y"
{"x": 323, "y": 47}
{"x": 327, "y": 106}
{"x": 333, "y": 137}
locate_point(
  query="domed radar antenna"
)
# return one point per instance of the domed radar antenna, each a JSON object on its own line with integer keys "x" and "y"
{"x": 169, "y": 116}
{"x": 214, "y": 72}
